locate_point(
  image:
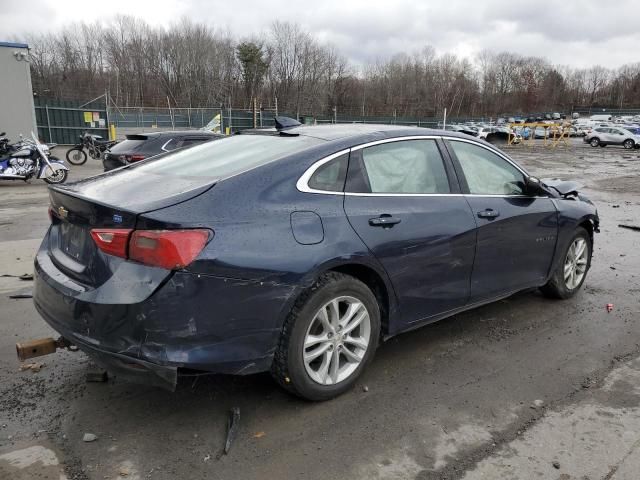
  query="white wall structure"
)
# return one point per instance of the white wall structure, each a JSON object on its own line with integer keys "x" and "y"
{"x": 17, "y": 115}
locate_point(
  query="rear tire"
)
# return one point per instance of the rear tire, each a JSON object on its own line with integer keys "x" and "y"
{"x": 76, "y": 156}
{"x": 322, "y": 320}
{"x": 571, "y": 272}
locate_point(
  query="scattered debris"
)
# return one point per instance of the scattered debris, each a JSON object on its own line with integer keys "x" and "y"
{"x": 232, "y": 428}
{"x": 124, "y": 472}
{"x": 612, "y": 267}
{"x": 21, "y": 295}
{"x": 34, "y": 367}
{"x": 259, "y": 435}
{"x": 96, "y": 374}
{"x": 207, "y": 458}
{"x": 615, "y": 206}
{"x": 89, "y": 437}
{"x": 556, "y": 464}
{"x": 24, "y": 276}
{"x": 365, "y": 389}
{"x": 609, "y": 307}
{"x": 537, "y": 404}
{"x": 630, "y": 227}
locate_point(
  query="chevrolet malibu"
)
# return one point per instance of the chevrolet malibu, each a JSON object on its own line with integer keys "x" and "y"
{"x": 297, "y": 251}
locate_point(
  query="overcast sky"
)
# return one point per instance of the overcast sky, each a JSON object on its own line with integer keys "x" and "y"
{"x": 579, "y": 34}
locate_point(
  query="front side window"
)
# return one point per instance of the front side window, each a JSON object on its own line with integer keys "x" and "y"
{"x": 409, "y": 166}
{"x": 487, "y": 173}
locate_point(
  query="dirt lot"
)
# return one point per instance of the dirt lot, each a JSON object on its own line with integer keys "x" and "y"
{"x": 523, "y": 388}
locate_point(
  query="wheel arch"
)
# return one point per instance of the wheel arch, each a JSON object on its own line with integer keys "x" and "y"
{"x": 372, "y": 275}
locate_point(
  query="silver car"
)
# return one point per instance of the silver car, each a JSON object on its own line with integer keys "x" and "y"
{"x": 603, "y": 136}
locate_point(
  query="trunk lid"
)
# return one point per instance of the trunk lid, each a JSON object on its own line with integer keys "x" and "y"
{"x": 107, "y": 201}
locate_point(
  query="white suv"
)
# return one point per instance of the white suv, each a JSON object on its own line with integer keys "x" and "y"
{"x": 603, "y": 136}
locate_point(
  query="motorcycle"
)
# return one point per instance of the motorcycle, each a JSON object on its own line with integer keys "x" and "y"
{"x": 93, "y": 144}
{"x": 29, "y": 158}
{"x": 5, "y": 147}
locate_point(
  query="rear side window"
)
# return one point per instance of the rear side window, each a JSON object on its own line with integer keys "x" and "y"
{"x": 227, "y": 156}
{"x": 169, "y": 144}
{"x": 330, "y": 176}
{"x": 410, "y": 166}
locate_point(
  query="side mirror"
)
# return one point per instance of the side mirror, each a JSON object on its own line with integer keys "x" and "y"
{"x": 533, "y": 185}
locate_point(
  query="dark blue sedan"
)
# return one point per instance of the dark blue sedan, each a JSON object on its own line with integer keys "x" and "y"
{"x": 297, "y": 251}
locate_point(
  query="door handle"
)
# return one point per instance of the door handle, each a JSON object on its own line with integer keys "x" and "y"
{"x": 385, "y": 221}
{"x": 489, "y": 213}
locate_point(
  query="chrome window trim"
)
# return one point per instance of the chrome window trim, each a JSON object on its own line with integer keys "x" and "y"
{"x": 395, "y": 139}
{"x": 165, "y": 144}
{"x": 302, "y": 183}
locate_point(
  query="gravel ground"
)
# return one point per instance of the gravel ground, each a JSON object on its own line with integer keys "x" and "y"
{"x": 523, "y": 388}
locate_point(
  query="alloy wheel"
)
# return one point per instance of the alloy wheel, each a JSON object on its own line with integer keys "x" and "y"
{"x": 575, "y": 263}
{"x": 337, "y": 340}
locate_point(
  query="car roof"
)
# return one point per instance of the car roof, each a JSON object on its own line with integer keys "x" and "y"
{"x": 352, "y": 130}
{"x": 176, "y": 133}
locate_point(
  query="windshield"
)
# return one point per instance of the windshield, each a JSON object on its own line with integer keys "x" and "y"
{"x": 227, "y": 156}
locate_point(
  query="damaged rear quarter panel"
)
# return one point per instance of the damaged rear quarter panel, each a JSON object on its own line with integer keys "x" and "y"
{"x": 254, "y": 253}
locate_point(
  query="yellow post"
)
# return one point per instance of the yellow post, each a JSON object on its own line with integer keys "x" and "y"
{"x": 227, "y": 131}
{"x": 112, "y": 132}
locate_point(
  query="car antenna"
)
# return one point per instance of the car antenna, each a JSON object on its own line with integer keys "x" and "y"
{"x": 285, "y": 123}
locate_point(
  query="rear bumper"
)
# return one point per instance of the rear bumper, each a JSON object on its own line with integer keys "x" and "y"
{"x": 189, "y": 321}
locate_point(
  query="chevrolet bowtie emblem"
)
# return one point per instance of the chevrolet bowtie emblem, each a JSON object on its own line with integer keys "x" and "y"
{"x": 63, "y": 212}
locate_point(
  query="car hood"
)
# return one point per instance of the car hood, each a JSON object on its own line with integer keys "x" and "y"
{"x": 563, "y": 187}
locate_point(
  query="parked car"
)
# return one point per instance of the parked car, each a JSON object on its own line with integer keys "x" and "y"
{"x": 137, "y": 147}
{"x": 634, "y": 130}
{"x": 603, "y": 136}
{"x": 298, "y": 251}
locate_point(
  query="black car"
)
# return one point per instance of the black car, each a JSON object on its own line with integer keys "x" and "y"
{"x": 298, "y": 251}
{"x": 137, "y": 147}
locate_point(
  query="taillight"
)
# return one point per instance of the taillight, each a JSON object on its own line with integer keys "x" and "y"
{"x": 170, "y": 249}
{"x": 113, "y": 241}
{"x": 136, "y": 158}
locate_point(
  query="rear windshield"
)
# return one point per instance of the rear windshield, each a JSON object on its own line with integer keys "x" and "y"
{"x": 227, "y": 156}
{"x": 127, "y": 146}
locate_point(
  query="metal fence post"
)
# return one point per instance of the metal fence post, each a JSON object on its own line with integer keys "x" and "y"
{"x": 46, "y": 107}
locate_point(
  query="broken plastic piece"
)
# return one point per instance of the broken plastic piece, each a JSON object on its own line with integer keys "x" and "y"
{"x": 232, "y": 428}
{"x": 609, "y": 307}
{"x": 630, "y": 227}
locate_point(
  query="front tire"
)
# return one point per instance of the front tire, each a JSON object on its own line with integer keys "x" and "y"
{"x": 594, "y": 142}
{"x": 76, "y": 156}
{"x": 328, "y": 338}
{"x": 570, "y": 274}
{"x": 628, "y": 144}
